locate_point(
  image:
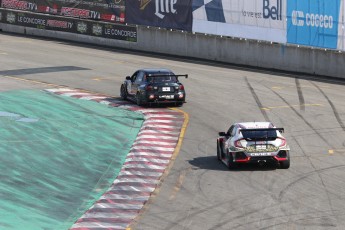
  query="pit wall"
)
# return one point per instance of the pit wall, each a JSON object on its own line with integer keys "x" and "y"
{"x": 215, "y": 48}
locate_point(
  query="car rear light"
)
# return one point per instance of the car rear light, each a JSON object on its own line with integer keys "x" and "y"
{"x": 181, "y": 87}
{"x": 238, "y": 143}
{"x": 149, "y": 88}
{"x": 180, "y": 95}
{"x": 282, "y": 156}
{"x": 151, "y": 96}
{"x": 282, "y": 142}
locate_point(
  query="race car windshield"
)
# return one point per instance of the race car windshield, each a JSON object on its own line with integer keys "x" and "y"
{"x": 162, "y": 79}
{"x": 253, "y": 135}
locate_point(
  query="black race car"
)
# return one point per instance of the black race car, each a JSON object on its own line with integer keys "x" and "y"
{"x": 154, "y": 86}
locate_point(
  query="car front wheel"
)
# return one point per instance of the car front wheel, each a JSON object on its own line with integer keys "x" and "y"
{"x": 123, "y": 92}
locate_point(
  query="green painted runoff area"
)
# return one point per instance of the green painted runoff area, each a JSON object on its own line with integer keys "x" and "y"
{"x": 58, "y": 155}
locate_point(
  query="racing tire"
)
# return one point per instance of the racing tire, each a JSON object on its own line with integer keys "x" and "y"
{"x": 138, "y": 99}
{"x": 285, "y": 164}
{"x": 231, "y": 164}
{"x": 123, "y": 92}
{"x": 179, "y": 104}
{"x": 218, "y": 151}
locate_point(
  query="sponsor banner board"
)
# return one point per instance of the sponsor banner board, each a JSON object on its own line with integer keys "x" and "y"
{"x": 71, "y": 25}
{"x": 313, "y": 23}
{"x": 252, "y": 19}
{"x": 104, "y": 10}
{"x": 341, "y": 27}
{"x": 170, "y": 14}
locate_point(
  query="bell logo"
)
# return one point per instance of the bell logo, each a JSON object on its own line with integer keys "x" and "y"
{"x": 273, "y": 12}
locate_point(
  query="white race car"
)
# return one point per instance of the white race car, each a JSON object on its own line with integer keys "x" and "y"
{"x": 253, "y": 142}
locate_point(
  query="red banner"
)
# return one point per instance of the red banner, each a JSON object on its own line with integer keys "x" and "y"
{"x": 103, "y": 10}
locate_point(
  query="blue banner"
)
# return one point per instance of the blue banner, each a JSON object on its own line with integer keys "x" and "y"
{"x": 170, "y": 14}
{"x": 313, "y": 22}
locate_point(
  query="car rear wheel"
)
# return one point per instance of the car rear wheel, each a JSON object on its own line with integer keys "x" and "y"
{"x": 218, "y": 151}
{"x": 123, "y": 92}
{"x": 285, "y": 164}
{"x": 231, "y": 163}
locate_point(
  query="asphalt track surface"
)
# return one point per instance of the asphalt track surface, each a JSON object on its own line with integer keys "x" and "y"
{"x": 199, "y": 192}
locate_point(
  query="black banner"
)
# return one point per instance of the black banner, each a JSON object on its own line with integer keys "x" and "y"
{"x": 104, "y": 10}
{"x": 71, "y": 25}
{"x": 170, "y": 14}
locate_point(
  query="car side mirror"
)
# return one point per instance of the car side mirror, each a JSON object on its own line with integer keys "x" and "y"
{"x": 222, "y": 134}
{"x": 128, "y": 78}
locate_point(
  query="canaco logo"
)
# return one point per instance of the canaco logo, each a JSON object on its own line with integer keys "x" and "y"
{"x": 162, "y": 7}
{"x": 299, "y": 18}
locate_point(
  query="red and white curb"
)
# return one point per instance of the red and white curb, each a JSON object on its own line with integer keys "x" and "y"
{"x": 142, "y": 170}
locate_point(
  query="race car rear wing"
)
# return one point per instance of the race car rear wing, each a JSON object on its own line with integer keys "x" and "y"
{"x": 164, "y": 75}
{"x": 260, "y": 134}
{"x": 264, "y": 130}
{"x": 248, "y": 130}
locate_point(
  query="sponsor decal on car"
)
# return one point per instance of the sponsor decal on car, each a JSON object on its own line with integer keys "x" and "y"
{"x": 260, "y": 154}
{"x": 269, "y": 148}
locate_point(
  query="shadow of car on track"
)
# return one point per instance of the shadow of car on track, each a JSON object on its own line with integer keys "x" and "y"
{"x": 212, "y": 163}
{"x": 209, "y": 163}
{"x": 120, "y": 101}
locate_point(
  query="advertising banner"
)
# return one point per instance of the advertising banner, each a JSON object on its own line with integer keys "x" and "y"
{"x": 252, "y": 19}
{"x": 170, "y": 14}
{"x": 71, "y": 25}
{"x": 104, "y": 10}
{"x": 313, "y": 22}
{"x": 341, "y": 27}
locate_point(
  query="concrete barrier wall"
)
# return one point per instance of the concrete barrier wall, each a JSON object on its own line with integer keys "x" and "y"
{"x": 215, "y": 48}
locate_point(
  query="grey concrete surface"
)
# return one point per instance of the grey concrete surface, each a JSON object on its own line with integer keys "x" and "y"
{"x": 199, "y": 193}
{"x": 215, "y": 48}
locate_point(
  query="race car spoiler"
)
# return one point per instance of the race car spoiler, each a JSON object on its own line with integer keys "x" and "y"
{"x": 164, "y": 75}
{"x": 262, "y": 134}
{"x": 265, "y": 130}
